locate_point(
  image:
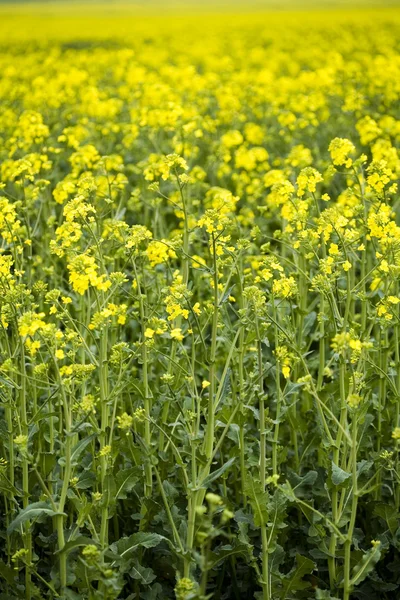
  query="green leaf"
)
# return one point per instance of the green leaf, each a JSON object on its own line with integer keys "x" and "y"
{"x": 81, "y": 540}
{"x": 338, "y": 475}
{"x": 309, "y": 322}
{"x": 155, "y": 592}
{"x": 324, "y": 595}
{"x": 258, "y": 499}
{"x": 125, "y": 481}
{"x": 109, "y": 490}
{"x": 308, "y": 479}
{"x": 71, "y": 595}
{"x": 47, "y": 462}
{"x": 288, "y": 492}
{"x": 7, "y": 488}
{"x": 32, "y": 511}
{"x": 7, "y": 573}
{"x": 127, "y": 545}
{"x": 294, "y": 579}
{"x": 365, "y": 565}
{"x": 214, "y": 558}
{"x": 79, "y": 448}
{"x": 213, "y": 476}
{"x": 389, "y": 514}
{"x": 144, "y": 574}
{"x": 86, "y": 480}
{"x": 276, "y": 514}
{"x": 364, "y": 466}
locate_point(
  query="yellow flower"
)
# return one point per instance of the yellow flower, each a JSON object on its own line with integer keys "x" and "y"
{"x": 176, "y": 299}
{"x": 213, "y": 221}
{"x": 285, "y": 287}
{"x": 88, "y": 404}
{"x": 340, "y": 149}
{"x": 105, "y": 451}
{"x": 396, "y": 433}
{"x": 159, "y": 252}
{"x": 307, "y": 181}
{"x": 138, "y": 234}
{"x": 393, "y": 299}
{"x": 346, "y": 266}
{"x": 30, "y": 322}
{"x": 60, "y": 354}
{"x": 197, "y": 309}
{"x": 125, "y": 421}
{"x": 353, "y": 400}
{"x": 21, "y": 440}
{"x": 32, "y": 346}
{"x": 205, "y": 384}
{"x": 84, "y": 272}
{"x": 176, "y": 334}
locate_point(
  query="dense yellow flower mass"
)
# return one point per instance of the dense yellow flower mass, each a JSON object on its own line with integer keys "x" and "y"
{"x": 200, "y": 304}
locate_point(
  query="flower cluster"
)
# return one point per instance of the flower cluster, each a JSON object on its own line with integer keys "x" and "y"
{"x": 200, "y": 304}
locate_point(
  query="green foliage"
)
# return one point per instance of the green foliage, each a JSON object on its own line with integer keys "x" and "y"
{"x": 200, "y": 307}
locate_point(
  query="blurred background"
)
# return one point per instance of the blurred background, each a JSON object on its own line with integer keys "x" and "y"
{"x": 148, "y": 6}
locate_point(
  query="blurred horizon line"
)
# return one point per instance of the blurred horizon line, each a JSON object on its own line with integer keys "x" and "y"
{"x": 187, "y": 7}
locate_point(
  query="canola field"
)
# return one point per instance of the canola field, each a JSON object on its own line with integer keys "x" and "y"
{"x": 199, "y": 306}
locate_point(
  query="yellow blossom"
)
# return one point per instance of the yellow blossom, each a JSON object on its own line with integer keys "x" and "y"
{"x": 176, "y": 334}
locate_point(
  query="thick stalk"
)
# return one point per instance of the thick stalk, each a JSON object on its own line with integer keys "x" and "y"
{"x": 321, "y": 366}
{"x": 263, "y": 455}
{"x": 185, "y": 279}
{"x": 349, "y": 540}
{"x": 241, "y": 426}
{"x": 336, "y": 460}
{"x": 278, "y": 394}
{"x": 383, "y": 364}
{"x": 208, "y": 445}
{"x": 103, "y": 376}
{"x": 302, "y": 311}
{"x": 397, "y": 366}
{"x": 64, "y": 488}
{"x": 25, "y": 472}
{"x": 148, "y": 485}
{"x": 209, "y": 436}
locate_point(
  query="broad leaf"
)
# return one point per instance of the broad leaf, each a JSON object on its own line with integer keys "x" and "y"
{"x": 389, "y": 514}
{"x": 144, "y": 574}
{"x": 81, "y": 540}
{"x": 338, "y": 475}
{"x": 258, "y": 499}
{"x": 128, "y": 545}
{"x": 294, "y": 579}
{"x": 212, "y": 476}
{"x": 324, "y": 595}
{"x": 32, "y": 511}
{"x": 125, "y": 481}
{"x": 366, "y": 565}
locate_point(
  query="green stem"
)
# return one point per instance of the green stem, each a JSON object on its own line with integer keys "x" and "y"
{"x": 25, "y": 472}
{"x": 209, "y": 436}
{"x": 169, "y": 514}
{"x": 65, "y": 485}
{"x": 103, "y": 375}
{"x": 263, "y": 452}
{"x": 278, "y": 394}
{"x": 383, "y": 366}
{"x": 349, "y": 540}
{"x": 148, "y": 485}
{"x": 336, "y": 460}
